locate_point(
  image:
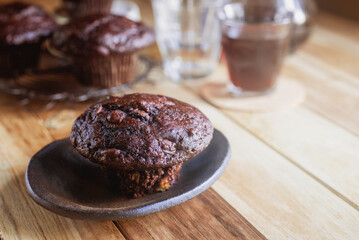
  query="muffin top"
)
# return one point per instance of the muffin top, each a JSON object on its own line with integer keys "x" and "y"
{"x": 141, "y": 131}
{"x": 24, "y": 23}
{"x": 102, "y": 34}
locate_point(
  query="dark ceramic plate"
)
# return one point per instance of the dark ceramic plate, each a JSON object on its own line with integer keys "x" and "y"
{"x": 62, "y": 181}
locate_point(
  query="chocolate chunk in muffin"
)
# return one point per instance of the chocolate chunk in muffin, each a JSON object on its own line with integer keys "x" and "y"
{"x": 23, "y": 28}
{"x": 142, "y": 139}
{"x": 103, "y": 47}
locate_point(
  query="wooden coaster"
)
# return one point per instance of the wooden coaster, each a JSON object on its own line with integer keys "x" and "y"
{"x": 287, "y": 94}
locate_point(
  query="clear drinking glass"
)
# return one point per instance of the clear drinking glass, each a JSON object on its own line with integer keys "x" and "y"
{"x": 304, "y": 12}
{"x": 128, "y": 9}
{"x": 255, "y": 38}
{"x": 188, "y": 36}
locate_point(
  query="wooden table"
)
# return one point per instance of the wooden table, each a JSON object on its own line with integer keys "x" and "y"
{"x": 293, "y": 174}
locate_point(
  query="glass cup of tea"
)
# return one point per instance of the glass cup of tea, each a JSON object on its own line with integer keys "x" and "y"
{"x": 188, "y": 36}
{"x": 255, "y": 39}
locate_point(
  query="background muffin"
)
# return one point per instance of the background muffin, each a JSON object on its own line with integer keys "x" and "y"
{"x": 23, "y": 28}
{"x": 103, "y": 47}
{"x": 78, "y": 8}
{"x": 141, "y": 140}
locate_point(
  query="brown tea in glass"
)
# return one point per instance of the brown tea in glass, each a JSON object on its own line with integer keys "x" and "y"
{"x": 255, "y": 42}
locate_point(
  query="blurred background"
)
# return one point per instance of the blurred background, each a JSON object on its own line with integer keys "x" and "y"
{"x": 344, "y": 8}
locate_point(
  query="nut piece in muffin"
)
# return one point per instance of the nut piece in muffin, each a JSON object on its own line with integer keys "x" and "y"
{"x": 23, "y": 28}
{"x": 103, "y": 47}
{"x": 141, "y": 140}
{"x": 78, "y": 8}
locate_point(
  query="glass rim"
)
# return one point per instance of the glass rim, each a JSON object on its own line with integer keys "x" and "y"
{"x": 285, "y": 17}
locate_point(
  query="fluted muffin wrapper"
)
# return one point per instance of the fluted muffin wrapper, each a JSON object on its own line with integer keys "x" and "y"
{"x": 85, "y": 7}
{"x": 137, "y": 183}
{"x": 106, "y": 71}
{"x": 18, "y": 59}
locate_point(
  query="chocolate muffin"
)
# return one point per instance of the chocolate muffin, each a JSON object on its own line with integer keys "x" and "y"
{"x": 103, "y": 47}
{"x": 141, "y": 140}
{"x": 23, "y": 28}
{"x": 77, "y": 8}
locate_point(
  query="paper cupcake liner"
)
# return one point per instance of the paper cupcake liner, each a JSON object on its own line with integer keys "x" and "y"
{"x": 109, "y": 71}
{"x": 137, "y": 183}
{"x": 18, "y": 59}
{"x": 84, "y": 7}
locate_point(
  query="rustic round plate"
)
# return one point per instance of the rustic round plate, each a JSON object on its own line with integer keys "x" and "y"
{"x": 64, "y": 182}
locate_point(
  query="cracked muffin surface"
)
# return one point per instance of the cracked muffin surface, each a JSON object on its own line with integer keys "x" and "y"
{"x": 102, "y": 34}
{"x": 23, "y": 23}
{"x": 141, "y": 132}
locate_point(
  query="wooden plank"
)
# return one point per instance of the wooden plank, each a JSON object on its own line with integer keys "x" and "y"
{"x": 326, "y": 93}
{"x": 279, "y": 199}
{"x": 321, "y": 148}
{"x": 326, "y": 36}
{"x": 316, "y": 145}
{"x": 59, "y": 119}
{"x": 207, "y": 216}
{"x": 339, "y": 26}
{"x": 22, "y": 218}
{"x": 336, "y": 55}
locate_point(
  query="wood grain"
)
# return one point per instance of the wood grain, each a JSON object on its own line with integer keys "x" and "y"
{"x": 320, "y": 148}
{"x": 184, "y": 222}
{"x": 329, "y": 154}
{"x": 269, "y": 190}
{"x": 283, "y": 194}
{"x": 21, "y": 218}
{"x": 339, "y": 26}
{"x": 324, "y": 85}
{"x": 323, "y": 149}
{"x": 324, "y": 51}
